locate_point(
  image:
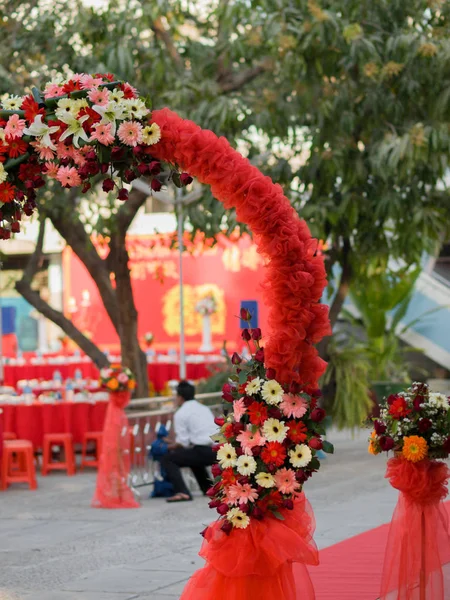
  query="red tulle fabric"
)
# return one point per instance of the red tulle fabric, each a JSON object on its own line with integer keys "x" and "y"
{"x": 112, "y": 490}
{"x": 267, "y": 560}
{"x": 295, "y": 274}
{"x": 418, "y": 542}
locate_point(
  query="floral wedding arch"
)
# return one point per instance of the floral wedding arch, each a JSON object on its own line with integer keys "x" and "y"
{"x": 91, "y": 127}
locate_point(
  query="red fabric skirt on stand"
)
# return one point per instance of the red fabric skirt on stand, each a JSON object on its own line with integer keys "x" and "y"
{"x": 112, "y": 490}
{"x": 265, "y": 561}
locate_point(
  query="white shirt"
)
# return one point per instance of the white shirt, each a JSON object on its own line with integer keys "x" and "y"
{"x": 194, "y": 424}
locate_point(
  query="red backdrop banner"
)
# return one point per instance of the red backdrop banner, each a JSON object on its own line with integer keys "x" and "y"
{"x": 232, "y": 270}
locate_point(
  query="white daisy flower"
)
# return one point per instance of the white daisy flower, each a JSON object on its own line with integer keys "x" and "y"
{"x": 272, "y": 392}
{"x": 246, "y": 465}
{"x": 300, "y": 456}
{"x": 253, "y": 386}
{"x": 226, "y": 456}
{"x": 274, "y": 430}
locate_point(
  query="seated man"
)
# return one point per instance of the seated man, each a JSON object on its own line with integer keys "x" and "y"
{"x": 194, "y": 425}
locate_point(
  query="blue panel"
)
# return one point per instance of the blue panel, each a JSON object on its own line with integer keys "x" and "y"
{"x": 252, "y": 307}
{"x": 8, "y": 319}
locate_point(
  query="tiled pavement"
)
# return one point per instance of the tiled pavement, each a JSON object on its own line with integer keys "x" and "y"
{"x": 53, "y": 546}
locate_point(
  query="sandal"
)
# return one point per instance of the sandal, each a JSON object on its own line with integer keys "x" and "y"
{"x": 179, "y": 498}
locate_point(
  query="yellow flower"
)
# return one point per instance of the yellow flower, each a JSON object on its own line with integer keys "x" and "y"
{"x": 274, "y": 430}
{"x": 391, "y": 69}
{"x": 253, "y": 386}
{"x": 427, "y": 50}
{"x": 226, "y": 456}
{"x": 417, "y": 135}
{"x": 238, "y": 518}
{"x": 69, "y": 108}
{"x": 371, "y": 70}
{"x": 415, "y": 448}
{"x": 265, "y": 480}
{"x": 300, "y": 456}
{"x": 3, "y": 173}
{"x": 352, "y": 32}
{"x": 319, "y": 14}
{"x": 272, "y": 392}
{"x": 372, "y": 449}
{"x": 151, "y": 134}
{"x": 246, "y": 465}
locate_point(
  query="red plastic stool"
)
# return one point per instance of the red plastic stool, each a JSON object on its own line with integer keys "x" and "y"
{"x": 58, "y": 439}
{"x": 91, "y": 436}
{"x": 18, "y": 463}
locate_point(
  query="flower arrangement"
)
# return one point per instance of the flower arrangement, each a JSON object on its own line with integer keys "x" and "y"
{"x": 207, "y": 305}
{"x": 415, "y": 424}
{"x": 267, "y": 444}
{"x": 73, "y": 131}
{"x": 117, "y": 379}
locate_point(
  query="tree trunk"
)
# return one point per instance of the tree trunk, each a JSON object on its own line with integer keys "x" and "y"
{"x": 132, "y": 355}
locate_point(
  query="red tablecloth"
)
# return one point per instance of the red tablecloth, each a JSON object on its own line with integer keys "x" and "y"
{"x": 13, "y": 374}
{"x": 158, "y": 373}
{"x": 34, "y": 421}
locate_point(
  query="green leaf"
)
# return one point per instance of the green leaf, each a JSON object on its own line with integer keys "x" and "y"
{"x": 242, "y": 377}
{"x": 277, "y": 515}
{"x": 314, "y": 464}
{"x": 328, "y": 447}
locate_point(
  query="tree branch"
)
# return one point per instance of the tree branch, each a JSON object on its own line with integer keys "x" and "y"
{"x": 33, "y": 264}
{"x": 232, "y": 83}
{"x": 129, "y": 209}
{"x": 57, "y": 317}
{"x": 162, "y": 33}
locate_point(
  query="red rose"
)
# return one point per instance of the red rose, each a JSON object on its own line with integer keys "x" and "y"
{"x": 236, "y": 359}
{"x": 295, "y": 387}
{"x": 424, "y": 425}
{"x": 245, "y": 315}
{"x": 246, "y": 335}
{"x": 214, "y": 503}
{"x": 222, "y": 509}
{"x": 301, "y": 476}
{"x": 15, "y": 227}
{"x": 417, "y": 403}
{"x": 386, "y": 443}
{"x": 379, "y": 427}
{"x": 108, "y": 185}
{"x": 315, "y": 443}
{"x": 238, "y": 427}
{"x": 216, "y": 470}
{"x": 271, "y": 373}
{"x": 256, "y": 451}
{"x": 154, "y": 167}
{"x": 257, "y": 513}
{"x": 123, "y": 194}
{"x": 185, "y": 179}
{"x": 156, "y": 185}
{"x": 275, "y": 413}
{"x": 219, "y": 421}
{"x": 318, "y": 414}
{"x": 256, "y": 334}
{"x": 259, "y": 355}
{"x": 446, "y": 445}
{"x": 288, "y": 504}
{"x": 227, "y": 526}
{"x": 142, "y": 168}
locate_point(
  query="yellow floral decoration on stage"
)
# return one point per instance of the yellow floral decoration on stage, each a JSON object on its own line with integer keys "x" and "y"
{"x": 192, "y": 320}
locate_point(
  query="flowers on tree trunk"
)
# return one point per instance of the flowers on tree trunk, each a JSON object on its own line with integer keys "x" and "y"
{"x": 117, "y": 379}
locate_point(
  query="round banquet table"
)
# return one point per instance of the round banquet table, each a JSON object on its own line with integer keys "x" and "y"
{"x": 32, "y": 422}
{"x": 159, "y": 373}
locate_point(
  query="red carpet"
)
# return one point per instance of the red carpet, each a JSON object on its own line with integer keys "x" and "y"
{"x": 351, "y": 570}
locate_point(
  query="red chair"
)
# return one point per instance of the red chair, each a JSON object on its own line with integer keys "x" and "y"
{"x": 18, "y": 463}
{"x": 64, "y": 440}
{"x": 91, "y": 436}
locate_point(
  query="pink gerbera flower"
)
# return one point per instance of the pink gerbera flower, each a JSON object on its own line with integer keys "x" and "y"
{"x": 45, "y": 153}
{"x": 285, "y": 481}
{"x": 64, "y": 151}
{"x": 53, "y": 90}
{"x": 103, "y": 134}
{"x": 87, "y": 82}
{"x": 239, "y": 409}
{"x": 130, "y": 133}
{"x": 51, "y": 169}
{"x": 242, "y": 493}
{"x": 68, "y": 177}
{"x": 99, "y": 97}
{"x": 249, "y": 440}
{"x": 14, "y": 127}
{"x": 293, "y": 406}
{"x": 78, "y": 158}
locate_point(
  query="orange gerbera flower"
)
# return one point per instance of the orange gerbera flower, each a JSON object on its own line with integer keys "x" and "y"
{"x": 415, "y": 448}
{"x": 372, "y": 447}
{"x": 112, "y": 384}
{"x": 228, "y": 477}
{"x": 274, "y": 454}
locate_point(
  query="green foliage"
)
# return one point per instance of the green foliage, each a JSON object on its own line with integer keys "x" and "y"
{"x": 347, "y": 378}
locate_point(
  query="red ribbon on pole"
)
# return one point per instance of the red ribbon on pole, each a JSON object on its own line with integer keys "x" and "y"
{"x": 418, "y": 542}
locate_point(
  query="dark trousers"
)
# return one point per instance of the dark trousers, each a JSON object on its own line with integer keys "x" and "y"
{"x": 197, "y": 458}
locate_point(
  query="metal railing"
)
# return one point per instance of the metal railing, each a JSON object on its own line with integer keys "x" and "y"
{"x": 144, "y": 425}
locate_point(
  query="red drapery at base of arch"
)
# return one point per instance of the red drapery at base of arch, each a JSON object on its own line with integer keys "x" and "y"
{"x": 418, "y": 542}
{"x": 295, "y": 275}
{"x": 112, "y": 490}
